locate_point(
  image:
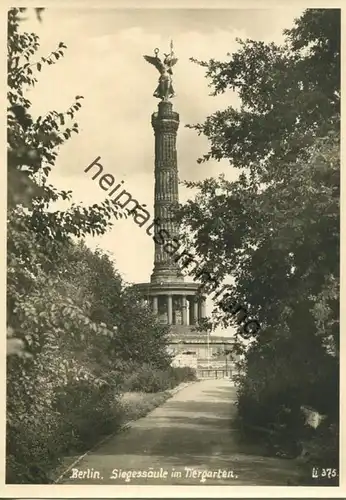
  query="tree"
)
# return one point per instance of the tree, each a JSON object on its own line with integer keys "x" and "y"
{"x": 139, "y": 338}
{"x": 75, "y": 329}
{"x": 47, "y": 327}
{"x": 275, "y": 229}
{"x": 257, "y": 224}
{"x": 289, "y": 95}
{"x": 33, "y": 146}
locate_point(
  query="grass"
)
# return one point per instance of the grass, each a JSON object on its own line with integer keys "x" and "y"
{"x": 138, "y": 404}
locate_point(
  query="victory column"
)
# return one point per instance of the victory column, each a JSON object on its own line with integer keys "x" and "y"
{"x": 174, "y": 301}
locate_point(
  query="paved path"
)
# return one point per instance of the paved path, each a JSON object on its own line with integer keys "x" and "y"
{"x": 188, "y": 438}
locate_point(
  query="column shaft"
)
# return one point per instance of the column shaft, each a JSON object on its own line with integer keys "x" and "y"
{"x": 169, "y": 309}
{"x": 184, "y": 308}
{"x": 155, "y": 305}
{"x": 195, "y": 311}
{"x": 190, "y": 310}
{"x": 165, "y": 123}
{"x": 203, "y": 308}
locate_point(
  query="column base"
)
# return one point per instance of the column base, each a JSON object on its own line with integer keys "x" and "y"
{"x": 166, "y": 276}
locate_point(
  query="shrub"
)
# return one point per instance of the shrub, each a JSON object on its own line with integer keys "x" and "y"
{"x": 184, "y": 374}
{"x": 87, "y": 412}
{"x": 278, "y": 381}
{"x": 80, "y": 413}
{"x": 147, "y": 378}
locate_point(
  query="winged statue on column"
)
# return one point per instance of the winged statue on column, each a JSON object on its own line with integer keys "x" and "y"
{"x": 164, "y": 90}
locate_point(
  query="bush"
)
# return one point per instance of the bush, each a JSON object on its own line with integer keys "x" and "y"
{"x": 81, "y": 413}
{"x": 33, "y": 449}
{"x": 278, "y": 381}
{"x": 87, "y": 412}
{"x": 184, "y": 374}
{"x": 147, "y": 378}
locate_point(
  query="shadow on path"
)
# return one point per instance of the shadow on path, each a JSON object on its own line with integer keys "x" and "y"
{"x": 193, "y": 430}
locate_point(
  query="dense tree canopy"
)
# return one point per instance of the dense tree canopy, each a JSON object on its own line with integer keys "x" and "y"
{"x": 289, "y": 95}
{"x": 279, "y": 221}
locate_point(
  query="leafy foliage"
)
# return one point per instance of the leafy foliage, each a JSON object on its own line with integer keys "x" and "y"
{"x": 275, "y": 229}
{"x": 148, "y": 378}
{"x": 73, "y": 324}
{"x": 33, "y": 146}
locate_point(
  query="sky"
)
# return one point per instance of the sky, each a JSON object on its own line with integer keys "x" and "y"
{"x": 104, "y": 63}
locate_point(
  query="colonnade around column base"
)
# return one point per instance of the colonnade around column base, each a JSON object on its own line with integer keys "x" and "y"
{"x": 178, "y": 309}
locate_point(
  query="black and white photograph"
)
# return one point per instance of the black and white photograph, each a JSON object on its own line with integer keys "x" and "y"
{"x": 173, "y": 233}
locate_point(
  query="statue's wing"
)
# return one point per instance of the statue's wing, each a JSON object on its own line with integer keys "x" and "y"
{"x": 173, "y": 61}
{"x": 156, "y": 61}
